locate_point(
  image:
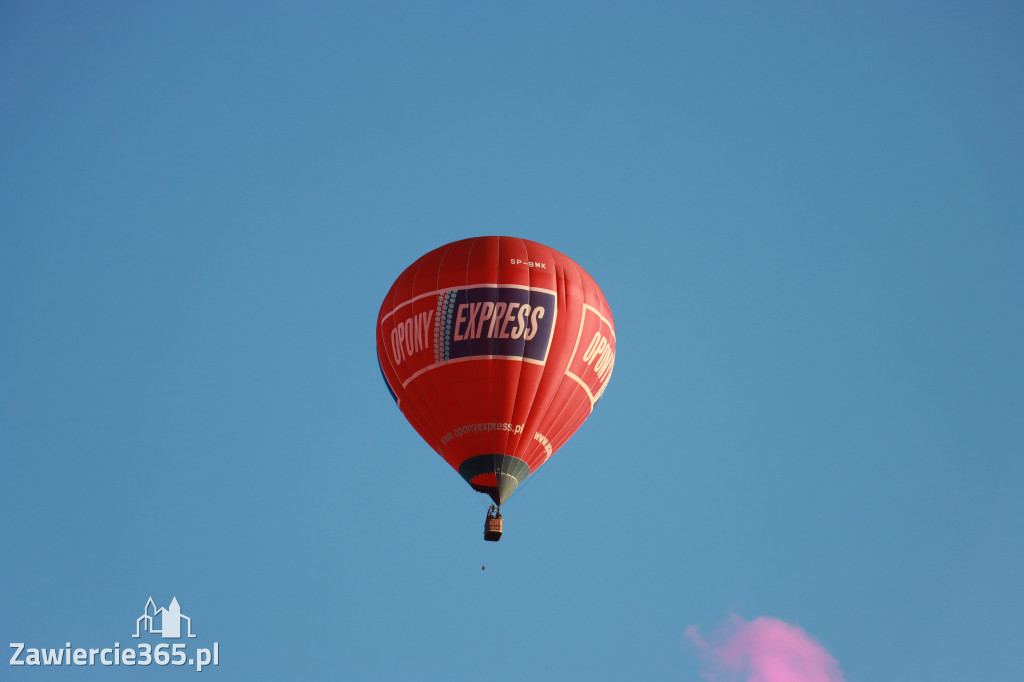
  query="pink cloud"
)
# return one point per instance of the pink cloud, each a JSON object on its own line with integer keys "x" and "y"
{"x": 764, "y": 650}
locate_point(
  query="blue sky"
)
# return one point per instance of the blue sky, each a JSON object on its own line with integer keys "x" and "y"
{"x": 807, "y": 220}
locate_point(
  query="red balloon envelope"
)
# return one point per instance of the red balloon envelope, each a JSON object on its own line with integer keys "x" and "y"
{"x": 495, "y": 349}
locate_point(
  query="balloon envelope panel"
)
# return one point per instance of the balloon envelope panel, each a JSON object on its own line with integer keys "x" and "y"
{"x": 496, "y": 350}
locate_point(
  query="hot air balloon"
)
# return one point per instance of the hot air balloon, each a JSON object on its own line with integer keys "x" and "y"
{"x": 496, "y": 350}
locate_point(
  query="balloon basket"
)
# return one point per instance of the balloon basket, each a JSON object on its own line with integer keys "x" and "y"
{"x": 492, "y": 525}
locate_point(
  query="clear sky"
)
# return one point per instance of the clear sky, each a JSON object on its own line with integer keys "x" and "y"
{"x": 807, "y": 218}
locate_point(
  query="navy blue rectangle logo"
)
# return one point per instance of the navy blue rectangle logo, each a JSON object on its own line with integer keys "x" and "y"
{"x": 494, "y": 321}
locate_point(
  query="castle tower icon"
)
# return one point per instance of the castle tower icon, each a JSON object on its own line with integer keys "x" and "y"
{"x": 170, "y": 620}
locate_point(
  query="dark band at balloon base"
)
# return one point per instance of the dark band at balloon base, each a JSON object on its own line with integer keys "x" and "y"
{"x": 495, "y": 475}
